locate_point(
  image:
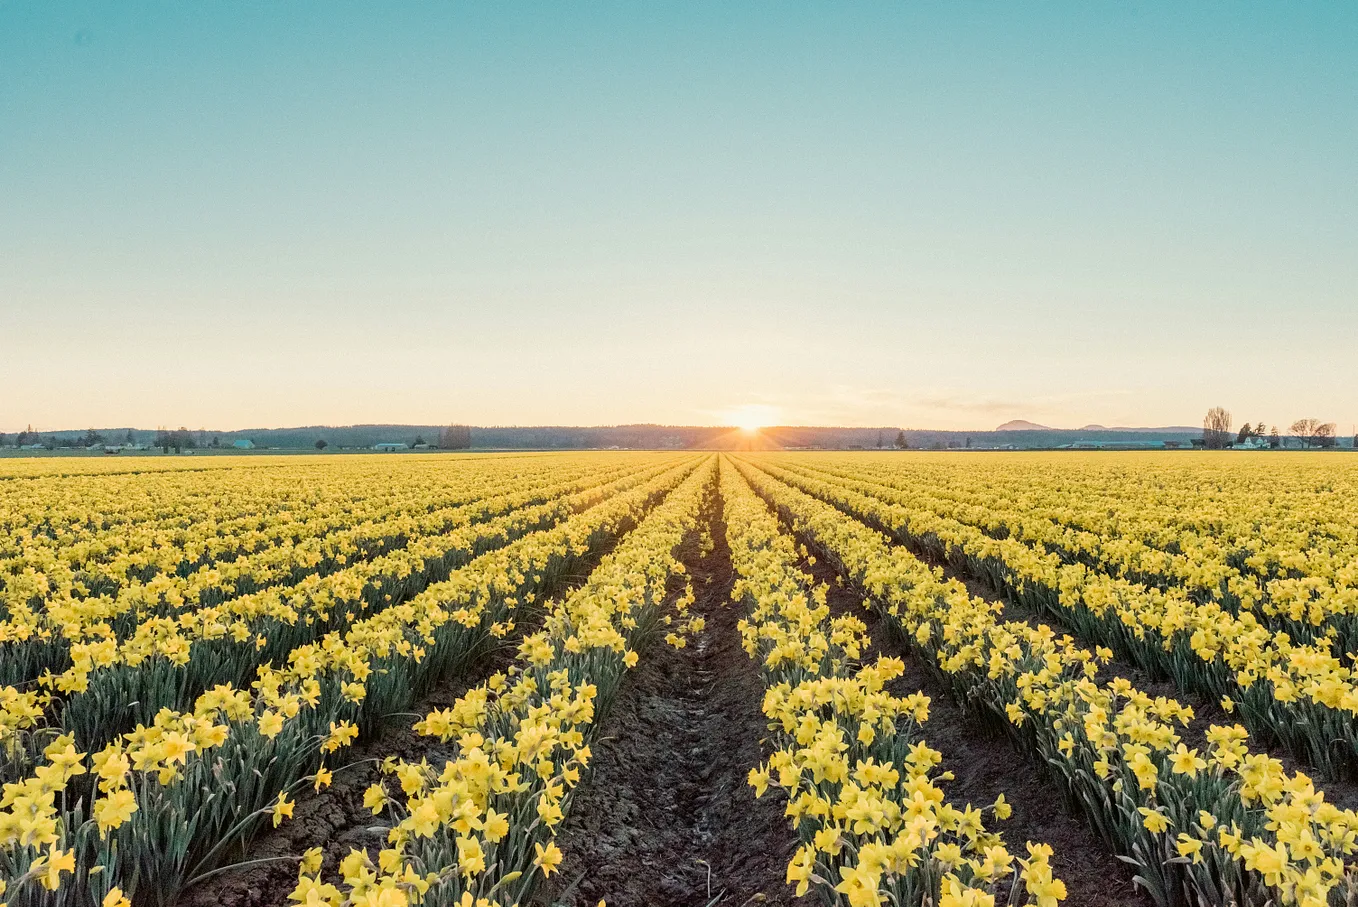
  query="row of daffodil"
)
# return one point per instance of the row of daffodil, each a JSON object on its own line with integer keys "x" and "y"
{"x": 174, "y": 799}
{"x": 480, "y": 828}
{"x": 1272, "y": 516}
{"x": 82, "y": 534}
{"x": 849, "y": 755}
{"x": 1289, "y": 554}
{"x": 160, "y": 514}
{"x": 66, "y": 578}
{"x": 51, "y": 605}
{"x": 351, "y": 592}
{"x": 1210, "y": 827}
{"x": 112, "y": 685}
{"x": 1300, "y": 695}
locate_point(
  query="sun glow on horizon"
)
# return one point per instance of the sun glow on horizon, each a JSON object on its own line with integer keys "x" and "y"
{"x": 751, "y": 417}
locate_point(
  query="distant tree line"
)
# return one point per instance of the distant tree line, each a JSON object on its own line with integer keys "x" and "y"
{"x": 1309, "y": 432}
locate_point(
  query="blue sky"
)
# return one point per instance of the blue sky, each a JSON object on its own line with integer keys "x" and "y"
{"x": 932, "y": 215}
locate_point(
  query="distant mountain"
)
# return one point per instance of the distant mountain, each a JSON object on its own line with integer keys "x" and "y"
{"x": 1023, "y": 425}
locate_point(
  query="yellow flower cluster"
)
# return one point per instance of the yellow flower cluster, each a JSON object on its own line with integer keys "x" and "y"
{"x": 1276, "y": 536}
{"x": 480, "y": 828}
{"x": 139, "y": 544}
{"x": 154, "y": 667}
{"x": 1300, "y": 693}
{"x": 1222, "y": 825}
{"x": 199, "y": 777}
{"x": 314, "y": 569}
{"x": 848, "y": 754}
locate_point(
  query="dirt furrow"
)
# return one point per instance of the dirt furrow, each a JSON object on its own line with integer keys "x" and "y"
{"x": 666, "y": 817}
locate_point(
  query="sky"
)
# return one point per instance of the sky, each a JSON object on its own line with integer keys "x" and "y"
{"x": 930, "y": 215}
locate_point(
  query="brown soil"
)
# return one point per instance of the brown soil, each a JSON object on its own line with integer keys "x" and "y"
{"x": 667, "y": 817}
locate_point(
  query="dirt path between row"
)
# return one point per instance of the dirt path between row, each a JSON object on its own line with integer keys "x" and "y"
{"x": 667, "y": 817}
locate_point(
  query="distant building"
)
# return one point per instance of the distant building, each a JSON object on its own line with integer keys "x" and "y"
{"x": 243, "y": 444}
{"x": 390, "y": 446}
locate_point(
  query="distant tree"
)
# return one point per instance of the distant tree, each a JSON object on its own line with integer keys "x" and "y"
{"x": 1216, "y": 428}
{"x": 879, "y": 440}
{"x": 129, "y": 438}
{"x": 419, "y": 439}
{"x": 25, "y": 437}
{"x": 1304, "y": 430}
{"x": 163, "y": 440}
{"x": 1245, "y": 434}
{"x": 902, "y": 442}
{"x": 1355, "y": 437}
{"x": 2, "y": 439}
{"x": 1327, "y": 435}
{"x": 216, "y": 441}
{"x": 968, "y": 442}
{"x": 91, "y": 438}
{"x": 321, "y": 444}
{"x": 455, "y": 437}
{"x": 1275, "y": 440}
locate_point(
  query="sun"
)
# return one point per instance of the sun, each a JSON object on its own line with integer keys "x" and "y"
{"x": 751, "y": 417}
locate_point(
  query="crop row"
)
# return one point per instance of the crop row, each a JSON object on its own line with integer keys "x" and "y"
{"x": 1298, "y": 694}
{"x": 111, "y": 686}
{"x": 1282, "y": 548}
{"x": 54, "y": 604}
{"x": 849, "y": 756}
{"x": 480, "y": 828}
{"x": 1219, "y": 826}
{"x": 166, "y": 804}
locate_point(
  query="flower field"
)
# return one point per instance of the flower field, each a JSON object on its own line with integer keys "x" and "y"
{"x": 857, "y": 679}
